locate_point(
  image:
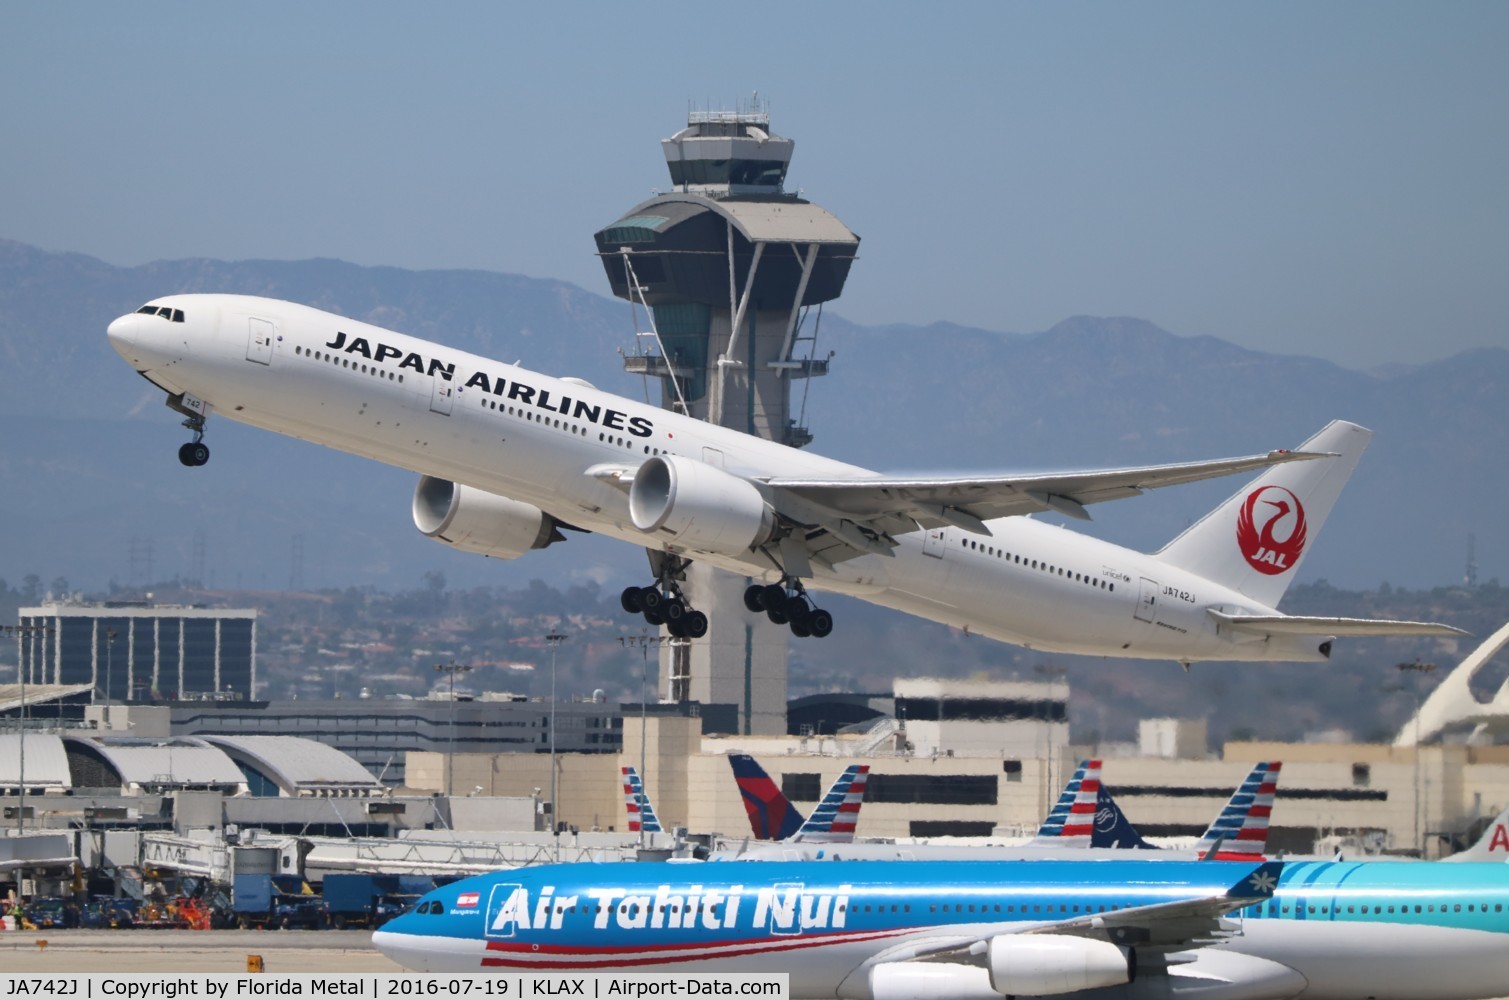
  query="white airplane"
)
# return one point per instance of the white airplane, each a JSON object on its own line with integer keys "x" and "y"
{"x": 508, "y": 457}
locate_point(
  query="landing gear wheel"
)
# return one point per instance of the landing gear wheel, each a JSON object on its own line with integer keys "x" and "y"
{"x": 752, "y": 598}
{"x": 800, "y": 627}
{"x": 694, "y": 624}
{"x": 651, "y": 599}
{"x": 776, "y": 617}
{"x": 795, "y": 607}
{"x": 654, "y": 618}
{"x": 631, "y": 600}
{"x": 773, "y": 597}
{"x": 673, "y": 610}
{"x": 677, "y": 628}
{"x": 820, "y": 622}
{"x": 194, "y": 454}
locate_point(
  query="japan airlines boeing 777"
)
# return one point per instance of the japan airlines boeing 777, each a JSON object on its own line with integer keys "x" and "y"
{"x": 508, "y": 457}
{"x": 983, "y": 930}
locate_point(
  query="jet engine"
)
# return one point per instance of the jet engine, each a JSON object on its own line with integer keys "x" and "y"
{"x": 702, "y": 506}
{"x": 1050, "y": 964}
{"x": 474, "y": 520}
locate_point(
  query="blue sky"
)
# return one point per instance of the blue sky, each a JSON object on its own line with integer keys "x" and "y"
{"x": 1317, "y": 178}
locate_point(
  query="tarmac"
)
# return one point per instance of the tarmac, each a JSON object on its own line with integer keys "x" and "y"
{"x": 149, "y": 951}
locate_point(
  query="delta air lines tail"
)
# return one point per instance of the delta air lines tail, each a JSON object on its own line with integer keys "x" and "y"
{"x": 773, "y": 817}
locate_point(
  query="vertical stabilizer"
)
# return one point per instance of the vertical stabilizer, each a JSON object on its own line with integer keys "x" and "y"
{"x": 641, "y": 814}
{"x": 834, "y": 819}
{"x": 1254, "y": 542}
{"x": 1071, "y": 821}
{"x": 1242, "y": 827}
{"x": 771, "y": 815}
{"x": 1493, "y": 845}
{"x": 1113, "y": 829}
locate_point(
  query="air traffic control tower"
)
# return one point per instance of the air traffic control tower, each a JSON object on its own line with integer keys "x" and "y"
{"x": 726, "y": 266}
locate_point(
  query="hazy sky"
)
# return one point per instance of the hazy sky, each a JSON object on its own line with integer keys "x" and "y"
{"x": 1320, "y": 178}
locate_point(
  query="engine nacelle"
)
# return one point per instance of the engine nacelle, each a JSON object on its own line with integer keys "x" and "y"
{"x": 704, "y": 507}
{"x": 1049, "y": 964}
{"x": 474, "y": 520}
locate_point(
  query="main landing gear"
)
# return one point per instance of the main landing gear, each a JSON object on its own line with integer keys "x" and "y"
{"x": 196, "y": 452}
{"x": 791, "y": 607}
{"x": 663, "y": 603}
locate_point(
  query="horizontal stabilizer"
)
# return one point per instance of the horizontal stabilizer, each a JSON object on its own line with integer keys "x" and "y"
{"x": 1312, "y": 625}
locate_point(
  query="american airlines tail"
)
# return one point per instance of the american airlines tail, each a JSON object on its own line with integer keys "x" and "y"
{"x": 642, "y": 816}
{"x": 1493, "y": 845}
{"x": 1254, "y": 541}
{"x": 1071, "y": 821}
{"x": 834, "y": 819}
{"x": 1242, "y": 827}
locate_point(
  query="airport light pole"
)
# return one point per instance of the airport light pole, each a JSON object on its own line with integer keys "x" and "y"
{"x": 1054, "y": 674}
{"x": 452, "y": 669}
{"x": 110, "y": 635}
{"x": 1414, "y": 670}
{"x": 22, "y": 632}
{"x": 554, "y": 640}
{"x": 645, "y": 641}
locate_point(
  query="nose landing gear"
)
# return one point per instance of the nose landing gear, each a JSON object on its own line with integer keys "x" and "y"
{"x": 196, "y": 452}
{"x": 789, "y": 607}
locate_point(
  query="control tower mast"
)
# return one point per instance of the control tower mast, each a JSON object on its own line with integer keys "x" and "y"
{"x": 725, "y": 265}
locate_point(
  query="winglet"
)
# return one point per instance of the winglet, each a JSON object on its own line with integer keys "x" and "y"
{"x": 1258, "y": 884}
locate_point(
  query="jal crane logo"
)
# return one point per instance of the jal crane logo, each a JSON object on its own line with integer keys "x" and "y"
{"x": 1271, "y": 530}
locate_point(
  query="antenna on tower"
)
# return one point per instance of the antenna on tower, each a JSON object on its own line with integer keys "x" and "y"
{"x": 1470, "y": 578}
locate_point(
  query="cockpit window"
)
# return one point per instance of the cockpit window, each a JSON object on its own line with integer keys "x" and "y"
{"x": 166, "y": 312}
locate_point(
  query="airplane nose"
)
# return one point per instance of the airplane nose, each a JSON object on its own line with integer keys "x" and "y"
{"x": 122, "y": 332}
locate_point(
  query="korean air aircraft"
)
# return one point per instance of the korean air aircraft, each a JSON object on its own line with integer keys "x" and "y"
{"x": 510, "y": 459}
{"x": 1216, "y": 930}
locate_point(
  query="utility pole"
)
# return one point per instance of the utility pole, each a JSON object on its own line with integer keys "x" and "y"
{"x": 22, "y": 632}
{"x": 451, "y": 669}
{"x": 645, "y": 642}
{"x": 554, "y": 640}
{"x": 1415, "y": 670}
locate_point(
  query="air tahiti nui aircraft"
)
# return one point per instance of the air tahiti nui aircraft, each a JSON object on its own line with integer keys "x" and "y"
{"x": 983, "y": 930}
{"x": 507, "y": 458}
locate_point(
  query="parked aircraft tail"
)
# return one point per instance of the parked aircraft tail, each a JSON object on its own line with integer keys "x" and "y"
{"x": 641, "y": 813}
{"x": 1254, "y": 542}
{"x": 1071, "y": 821}
{"x": 1493, "y": 845}
{"x": 771, "y": 816}
{"x": 1112, "y": 828}
{"x": 833, "y": 821}
{"x": 1242, "y": 827}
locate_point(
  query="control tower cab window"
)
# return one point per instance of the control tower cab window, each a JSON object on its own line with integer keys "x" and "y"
{"x": 173, "y": 315}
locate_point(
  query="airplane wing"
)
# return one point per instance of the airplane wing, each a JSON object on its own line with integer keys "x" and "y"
{"x": 941, "y": 500}
{"x": 1174, "y": 926}
{"x": 847, "y": 517}
{"x": 1312, "y": 625}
